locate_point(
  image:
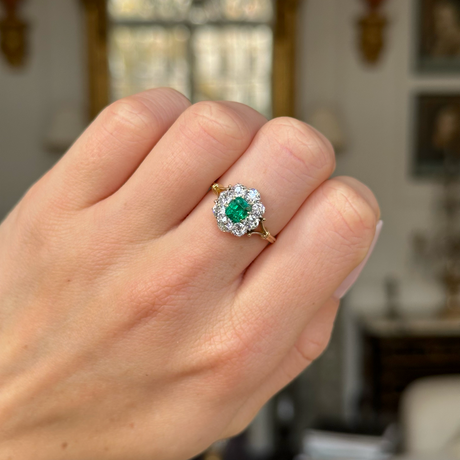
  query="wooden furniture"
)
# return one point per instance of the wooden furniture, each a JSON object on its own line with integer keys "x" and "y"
{"x": 398, "y": 352}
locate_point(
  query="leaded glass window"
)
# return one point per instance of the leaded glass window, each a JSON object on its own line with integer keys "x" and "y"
{"x": 206, "y": 49}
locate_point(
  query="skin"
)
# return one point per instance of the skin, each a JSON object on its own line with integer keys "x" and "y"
{"x": 130, "y": 325}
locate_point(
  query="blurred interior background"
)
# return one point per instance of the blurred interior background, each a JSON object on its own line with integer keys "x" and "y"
{"x": 381, "y": 78}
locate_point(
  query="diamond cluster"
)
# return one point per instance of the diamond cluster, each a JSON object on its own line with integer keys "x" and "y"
{"x": 238, "y": 210}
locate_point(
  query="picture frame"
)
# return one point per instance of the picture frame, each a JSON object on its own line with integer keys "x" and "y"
{"x": 437, "y": 133}
{"x": 438, "y": 36}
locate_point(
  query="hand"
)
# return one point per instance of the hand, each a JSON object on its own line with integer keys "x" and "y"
{"x": 131, "y": 327}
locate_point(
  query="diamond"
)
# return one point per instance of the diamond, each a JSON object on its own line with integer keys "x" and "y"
{"x": 239, "y": 229}
{"x": 252, "y": 196}
{"x": 225, "y": 224}
{"x": 238, "y": 209}
{"x": 239, "y": 190}
{"x": 225, "y": 197}
{"x": 258, "y": 209}
{"x": 222, "y": 218}
{"x": 251, "y": 222}
{"x": 218, "y": 210}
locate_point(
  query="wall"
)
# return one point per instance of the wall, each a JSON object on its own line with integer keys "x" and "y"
{"x": 375, "y": 104}
{"x": 29, "y": 97}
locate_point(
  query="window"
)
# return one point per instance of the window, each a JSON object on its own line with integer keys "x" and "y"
{"x": 214, "y": 49}
{"x": 240, "y": 50}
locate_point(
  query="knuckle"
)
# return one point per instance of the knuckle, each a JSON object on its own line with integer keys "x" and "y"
{"x": 129, "y": 119}
{"x": 300, "y": 143}
{"x": 171, "y": 94}
{"x": 163, "y": 291}
{"x": 245, "y": 337}
{"x": 352, "y": 217}
{"x": 148, "y": 298}
{"x": 224, "y": 349}
{"x": 304, "y": 352}
{"x": 214, "y": 124}
{"x": 227, "y": 356}
{"x": 234, "y": 350}
{"x": 311, "y": 349}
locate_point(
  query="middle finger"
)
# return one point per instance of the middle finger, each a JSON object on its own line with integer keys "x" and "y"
{"x": 201, "y": 145}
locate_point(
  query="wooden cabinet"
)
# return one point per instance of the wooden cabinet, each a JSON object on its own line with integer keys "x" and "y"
{"x": 398, "y": 352}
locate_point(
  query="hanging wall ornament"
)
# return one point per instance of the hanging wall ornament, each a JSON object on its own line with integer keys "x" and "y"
{"x": 13, "y": 33}
{"x": 372, "y": 31}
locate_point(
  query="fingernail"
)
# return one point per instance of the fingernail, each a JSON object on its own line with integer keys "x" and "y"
{"x": 354, "y": 275}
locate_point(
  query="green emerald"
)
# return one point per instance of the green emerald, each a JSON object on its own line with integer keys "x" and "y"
{"x": 237, "y": 210}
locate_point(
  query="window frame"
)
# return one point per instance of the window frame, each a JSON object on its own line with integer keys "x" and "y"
{"x": 284, "y": 53}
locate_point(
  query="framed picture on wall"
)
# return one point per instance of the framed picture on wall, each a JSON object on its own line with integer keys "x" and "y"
{"x": 437, "y": 133}
{"x": 438, "y": 36}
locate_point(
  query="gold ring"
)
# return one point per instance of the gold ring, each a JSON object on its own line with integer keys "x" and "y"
{"x": 238, "y": 210}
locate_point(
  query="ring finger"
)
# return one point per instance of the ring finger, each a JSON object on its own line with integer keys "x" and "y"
{"x": 286, "y": 162}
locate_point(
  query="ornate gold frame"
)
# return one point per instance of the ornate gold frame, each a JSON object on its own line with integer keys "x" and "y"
{"x": 284, "y": 58}
{"x": 284, "y": 69}
{"x": 97, "y": 57}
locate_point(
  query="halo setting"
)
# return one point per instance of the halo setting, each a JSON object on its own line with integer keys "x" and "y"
{"x": 238, "y": 210}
